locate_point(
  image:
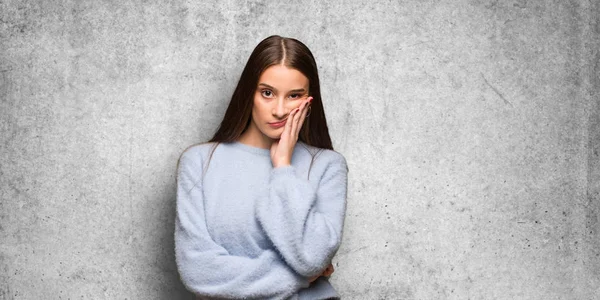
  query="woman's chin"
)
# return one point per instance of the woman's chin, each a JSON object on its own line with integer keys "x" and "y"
{"x": 275, "y": 134}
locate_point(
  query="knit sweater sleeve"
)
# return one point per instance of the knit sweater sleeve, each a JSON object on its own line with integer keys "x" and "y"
{"x": 205, "y": 267}
{"x": 305, "y": 220}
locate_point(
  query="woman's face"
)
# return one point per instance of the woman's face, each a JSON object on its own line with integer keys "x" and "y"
{"x": 280, "y": 90}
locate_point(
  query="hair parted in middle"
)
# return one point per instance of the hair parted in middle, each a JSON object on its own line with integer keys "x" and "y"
{"x": 271, "y": 51}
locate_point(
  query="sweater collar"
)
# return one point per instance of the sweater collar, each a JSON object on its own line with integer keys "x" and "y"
{"x": 251, "y": 149}
{"x": 256, "y": 150}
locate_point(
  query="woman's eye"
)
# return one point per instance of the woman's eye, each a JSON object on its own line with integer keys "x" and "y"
{"x": 267, "y": 93}
{"x": 295, "y": 96}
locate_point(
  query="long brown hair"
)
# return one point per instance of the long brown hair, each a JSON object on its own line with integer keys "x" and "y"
{"x": 272, "y": 51}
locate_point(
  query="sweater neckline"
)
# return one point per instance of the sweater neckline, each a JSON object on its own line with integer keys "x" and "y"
{"x": 251, "y": 149}
{"x": 255, "y": 150}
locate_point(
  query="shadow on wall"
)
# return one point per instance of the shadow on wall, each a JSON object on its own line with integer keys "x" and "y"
{"x": 4, "y": 286}
{"x": 169, "y": 284}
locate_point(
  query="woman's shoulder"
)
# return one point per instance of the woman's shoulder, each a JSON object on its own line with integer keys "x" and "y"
{"x": 325, "y": 156}
{"x": 197, "y": 152}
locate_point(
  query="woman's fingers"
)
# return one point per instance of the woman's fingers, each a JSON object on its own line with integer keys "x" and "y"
{"x": 299, "y": 117}
{"x": 287, "y": 129}
{"x": 328, "y": 271}
{"x": 281, "y": 154}
{"x": 303, "y": 115}
{"x": 296, "y": 119}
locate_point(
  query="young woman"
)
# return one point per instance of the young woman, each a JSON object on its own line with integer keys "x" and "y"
{"x": 261, "y": 206}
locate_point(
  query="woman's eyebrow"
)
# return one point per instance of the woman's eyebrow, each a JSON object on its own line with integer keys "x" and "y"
{"x": 268, "y": 86}
{"x": 299, "y": 91}
{"x": 302, "y": 90}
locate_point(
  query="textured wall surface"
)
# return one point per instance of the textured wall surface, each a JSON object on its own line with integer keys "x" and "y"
{"x": 471, "y": 129}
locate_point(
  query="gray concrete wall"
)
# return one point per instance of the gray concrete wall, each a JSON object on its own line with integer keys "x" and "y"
{"x": 471, "y": 129}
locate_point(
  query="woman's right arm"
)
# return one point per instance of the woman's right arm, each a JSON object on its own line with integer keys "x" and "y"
{"x": 205, "y": 267}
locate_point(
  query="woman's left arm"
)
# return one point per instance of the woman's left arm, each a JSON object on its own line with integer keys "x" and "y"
{"x": 305, "y": 223}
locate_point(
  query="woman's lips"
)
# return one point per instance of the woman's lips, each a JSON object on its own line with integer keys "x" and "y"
{"x": 278, "y": 124}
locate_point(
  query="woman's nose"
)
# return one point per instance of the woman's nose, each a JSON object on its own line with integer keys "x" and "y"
{"x": 280, "y": 109}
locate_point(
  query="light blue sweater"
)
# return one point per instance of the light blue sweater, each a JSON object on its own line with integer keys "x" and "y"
{"x": 247, "y": 230}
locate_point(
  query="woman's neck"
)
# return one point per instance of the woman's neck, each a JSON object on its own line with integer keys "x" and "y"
{"x": 254, "y": 137}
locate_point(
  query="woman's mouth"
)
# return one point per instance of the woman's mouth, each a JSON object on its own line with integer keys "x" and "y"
{"x": 278, "y": 124}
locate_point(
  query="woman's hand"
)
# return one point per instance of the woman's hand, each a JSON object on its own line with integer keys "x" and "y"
{"x": 328, "y": 271}
{"x": 282, "y": 149}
